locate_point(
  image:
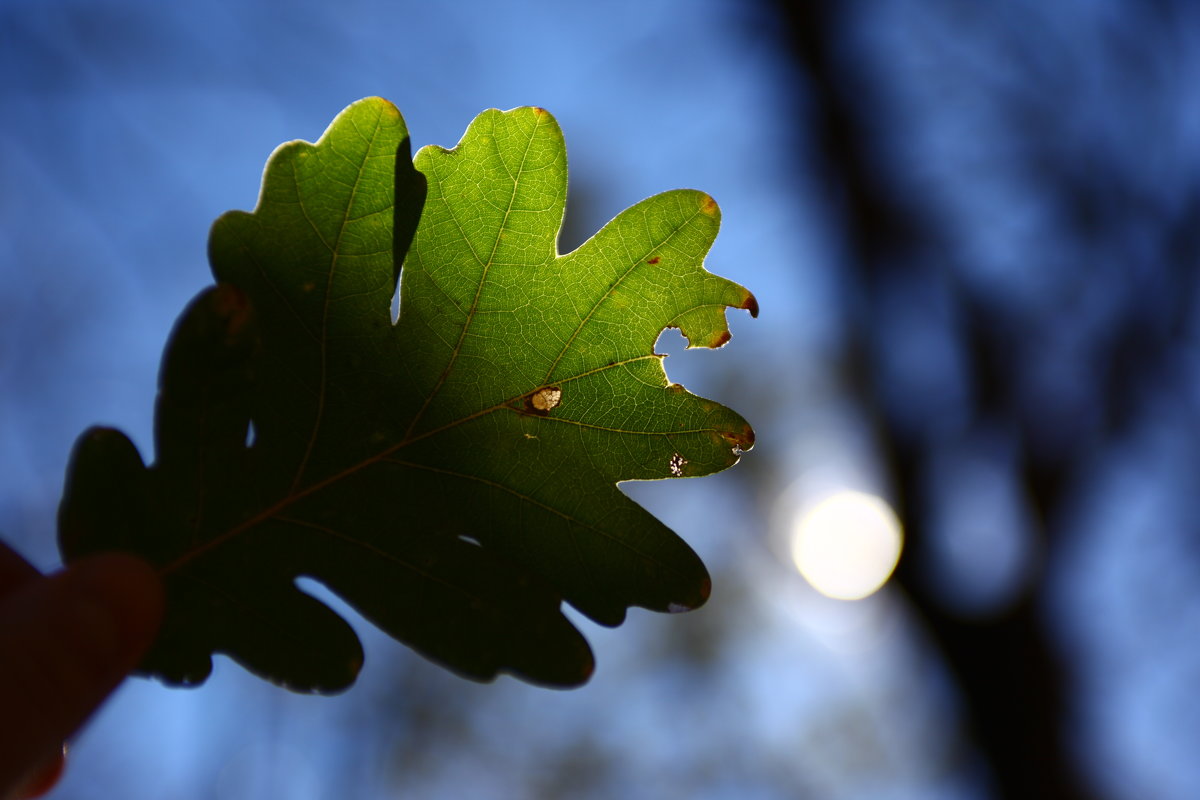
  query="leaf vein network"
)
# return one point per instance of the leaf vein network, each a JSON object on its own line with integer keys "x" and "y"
{"x": 323, "y": 341}
{"x": 478, "y": 289}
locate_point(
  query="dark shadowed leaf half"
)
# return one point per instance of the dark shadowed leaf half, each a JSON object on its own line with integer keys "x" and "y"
{"x": 451, "y": 475}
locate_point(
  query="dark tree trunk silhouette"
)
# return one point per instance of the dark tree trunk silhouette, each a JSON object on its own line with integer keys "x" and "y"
{"x": 1009, "y": 674}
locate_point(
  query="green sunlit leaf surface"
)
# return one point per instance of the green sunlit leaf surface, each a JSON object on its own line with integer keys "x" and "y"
{"x": 451, "y": 475}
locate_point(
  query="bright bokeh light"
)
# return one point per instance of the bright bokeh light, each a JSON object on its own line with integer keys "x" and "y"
{"x": 847, "y": 545}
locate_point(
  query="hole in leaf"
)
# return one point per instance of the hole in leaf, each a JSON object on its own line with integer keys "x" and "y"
{"x": 670, "y": 342}
{"x": 396, "y": 300}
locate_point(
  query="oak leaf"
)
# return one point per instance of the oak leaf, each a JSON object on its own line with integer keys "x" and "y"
{"x": 452, "y": 474}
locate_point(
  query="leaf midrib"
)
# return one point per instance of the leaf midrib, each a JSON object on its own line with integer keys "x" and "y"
{"x": 471, "y": 312}
{"x": 273, "y": 511}
{"x": 335, "y": 255}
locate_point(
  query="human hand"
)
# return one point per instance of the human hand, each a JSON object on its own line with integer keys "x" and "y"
{"x": 66, "y": 641}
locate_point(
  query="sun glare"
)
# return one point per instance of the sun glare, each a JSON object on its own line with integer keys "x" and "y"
{"x": 847, "y": 545}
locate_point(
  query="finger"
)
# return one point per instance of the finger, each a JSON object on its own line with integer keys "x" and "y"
{"x": 67, "y": 641}
{"x": 14, "y": 570}
{"x": 43, "y": 778}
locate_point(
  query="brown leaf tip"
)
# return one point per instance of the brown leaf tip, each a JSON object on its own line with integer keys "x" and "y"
{"x": 678, "y": 607}
{"x": 708, "y": 206}
{"x": 750, "y": 303}
{"x": 741, "y": 441}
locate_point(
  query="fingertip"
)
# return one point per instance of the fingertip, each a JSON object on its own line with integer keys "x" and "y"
{"x": 44, "y": 777}
{"x": 68, "y": 640}
{"x": 14, "y": 570}
{"x": 128, "y": 590}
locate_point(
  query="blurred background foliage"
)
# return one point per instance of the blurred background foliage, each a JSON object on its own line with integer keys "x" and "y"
{"x": 974, "y": 231}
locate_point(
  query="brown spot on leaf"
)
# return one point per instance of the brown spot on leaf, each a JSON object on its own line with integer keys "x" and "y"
{"x": 722, "y": 339}
{"x": 653, "y": 260}
{"x": 708, "y": 206}
{"x": 232, "y": 305}
{"x": 741, "y": 440}
{"x": 228, "y": 299}
{"x": 544, "y": 400}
